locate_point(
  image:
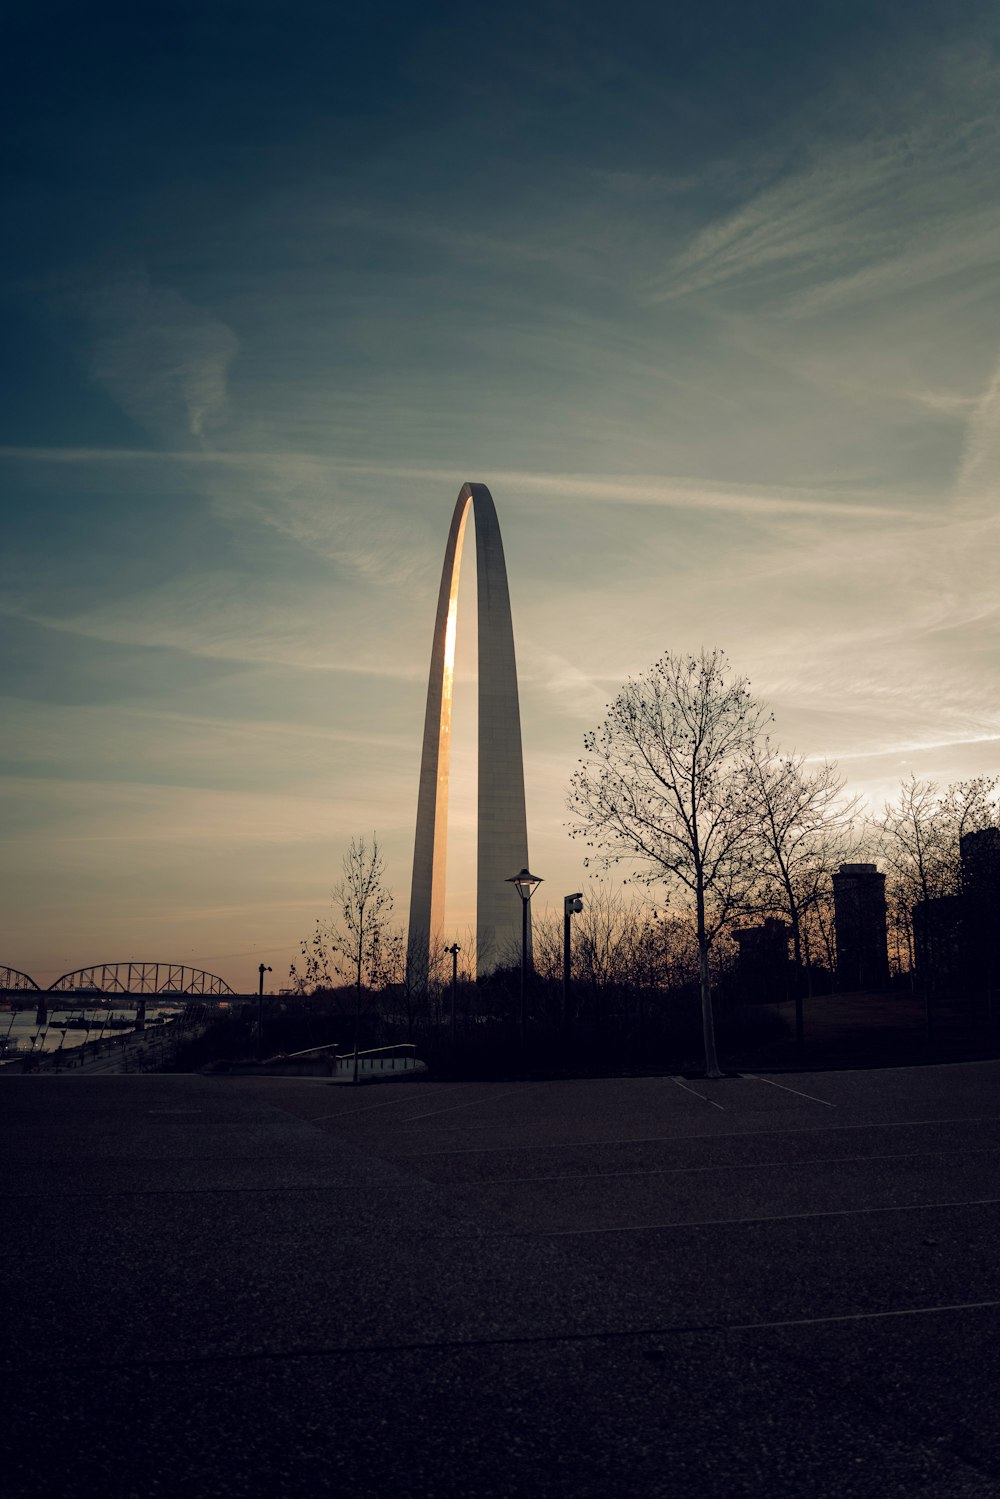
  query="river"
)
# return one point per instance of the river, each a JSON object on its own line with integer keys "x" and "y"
{"x": 22, "y": 1029}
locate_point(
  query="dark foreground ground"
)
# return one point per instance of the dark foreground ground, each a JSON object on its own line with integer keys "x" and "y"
{"x": 642, "y": 1287}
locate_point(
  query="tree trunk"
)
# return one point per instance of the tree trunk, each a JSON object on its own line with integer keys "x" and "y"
{"x": 707, "y": 1021}
{"x": 797, "y": 954}
{"x": 357, "y": 1021}
{"x": 808, "y": 963}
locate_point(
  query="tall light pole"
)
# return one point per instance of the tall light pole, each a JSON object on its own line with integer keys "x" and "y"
{"x": 262, "y": 968}
{"x": 454, "y": 949}
{"x": 525, "y": 884}
{"x": 572, "y": 905}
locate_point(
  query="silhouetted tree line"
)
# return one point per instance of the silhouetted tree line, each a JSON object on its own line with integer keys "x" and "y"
{"x": 941, "y": 850}
{"x": 682, "y": 785}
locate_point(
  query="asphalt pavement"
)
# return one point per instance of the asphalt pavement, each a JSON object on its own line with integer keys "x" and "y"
{"x": 781, "y": 1286}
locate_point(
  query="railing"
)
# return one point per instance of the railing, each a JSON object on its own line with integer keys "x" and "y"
{"x": 366, "y": 1059}
{"x": 409, "y": 1047}
{"x": 307, "y": 1051}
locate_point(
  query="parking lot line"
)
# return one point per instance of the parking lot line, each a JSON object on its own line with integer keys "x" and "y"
{"x": 647, "y": 1228}
{"x": 742, "y": 1134}
{"x": 365, "y": 1109}
{"x": 470, "y": 1103}
{"x": 797, "y": 1091}
{"x": 834, "y": 1160}
{"x": 902, "y": 1311}
{"x": 702, "y": 1096}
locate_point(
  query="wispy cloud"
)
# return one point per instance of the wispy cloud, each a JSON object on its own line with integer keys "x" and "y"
{"x": 566, "y": 685}
{"x": 893, "y": 212}
{"x": 703, "y": 495}
{"x": 296, "y": 495}
{"x": 299, "y": 497}
{"x": 978, "y": 475}
{"x": 163, "y": 360}
{"x": 210, "y": 616}
{"x": 905, "y": 747}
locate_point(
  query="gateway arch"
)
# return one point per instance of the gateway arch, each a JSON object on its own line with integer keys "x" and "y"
{"x": 502, "y": 826}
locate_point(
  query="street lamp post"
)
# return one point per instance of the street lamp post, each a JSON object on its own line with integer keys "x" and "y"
{"x": 262, "y": 968}
{"x": 524, "y": 883}
{"x": 572, "y": 905}
{"x": 454, "y": 949}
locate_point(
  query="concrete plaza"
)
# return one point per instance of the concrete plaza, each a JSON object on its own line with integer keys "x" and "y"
{"x": 783, "y": 1285}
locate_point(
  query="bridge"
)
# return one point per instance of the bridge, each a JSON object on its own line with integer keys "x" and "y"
{"x": 141, "y": 979}
{"x": 119, "y": 983}
{"x": 13, "y": 981}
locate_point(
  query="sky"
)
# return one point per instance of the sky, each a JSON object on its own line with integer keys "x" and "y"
{"x": 708, "y": 296}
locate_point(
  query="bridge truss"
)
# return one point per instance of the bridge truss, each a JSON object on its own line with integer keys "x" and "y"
{"x": 167, "y": 979}
{"x": 13, "y": 981}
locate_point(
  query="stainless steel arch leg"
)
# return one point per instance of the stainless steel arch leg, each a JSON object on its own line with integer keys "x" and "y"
{"x": 502, "y": 824}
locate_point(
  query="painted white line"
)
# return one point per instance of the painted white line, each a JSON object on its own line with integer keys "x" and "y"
{"x": 903, "y": 1311}
{"x": 702, "y": 1096}
{"x": 743, "y": 1134}
{"x": 293, "y": 1082}
{"x": 471, "y": 1103}
{"x": 646, "y": 1228}
{"x": 365, "y": 1109}
{"x": 799, "y": 1094}
{"x": 833, "y": 1160}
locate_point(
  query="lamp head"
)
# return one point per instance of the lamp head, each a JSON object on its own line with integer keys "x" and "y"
{"x": 524, "y": 883}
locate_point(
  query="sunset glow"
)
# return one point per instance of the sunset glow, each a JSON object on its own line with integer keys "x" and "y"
{"x": 720, "y": 336}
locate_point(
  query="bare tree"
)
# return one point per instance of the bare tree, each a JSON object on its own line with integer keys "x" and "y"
{"x": 921, "y": 835}
{"x": 804, "y": 827}
{"x": 664, "y": 785}
{"x": 967, "y": 807}
{"x": 546, "y": 944}
{"x": 408, "y": 994}
{"x": 353, "y": 946}
{"x": 606, "y": 932}
{"x": 912, "y": 842}
{"x": 627, "y": 954}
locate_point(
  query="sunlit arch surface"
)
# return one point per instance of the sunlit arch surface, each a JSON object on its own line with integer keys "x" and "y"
{"x": 140, "y": 978}
{"x": 502, "y": 825}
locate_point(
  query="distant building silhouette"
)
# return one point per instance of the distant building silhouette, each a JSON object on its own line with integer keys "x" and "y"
{"x": 939, "y": 948}
{"x": 859, "y": 911}
{"x": 981, "y": 900}
{"x": 956, "y": 938}
{"x": 762, "y": 965}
